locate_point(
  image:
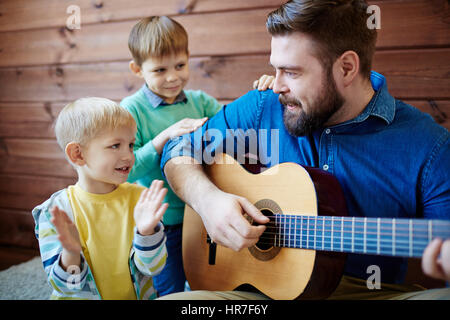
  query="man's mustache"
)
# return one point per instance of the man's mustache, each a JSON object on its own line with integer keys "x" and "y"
{"x": 289, "y": 101}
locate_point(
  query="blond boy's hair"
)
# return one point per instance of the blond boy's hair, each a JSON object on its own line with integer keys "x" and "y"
{"x": 82, "y": 120}
{"x": 156, "y": 37}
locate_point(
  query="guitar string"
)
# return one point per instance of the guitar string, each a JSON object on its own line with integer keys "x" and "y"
{"x": 385, "y": 250}
{"x": 360, "y": 220}
{"x": 358, "y": 233}
{"x": 405, "y": 232}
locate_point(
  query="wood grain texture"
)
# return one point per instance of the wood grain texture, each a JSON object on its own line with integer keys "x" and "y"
{"x": 228, "y": 33}
{"x": 25, "y": 14}
{"x": 412, "y": 24}
{"x": 23, "y": 192}
{"x": 418, "y": 74}
{"x": 17, "y": 228}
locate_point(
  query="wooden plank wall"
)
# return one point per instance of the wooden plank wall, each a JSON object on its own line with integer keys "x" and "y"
{"x": 43, "y": 65}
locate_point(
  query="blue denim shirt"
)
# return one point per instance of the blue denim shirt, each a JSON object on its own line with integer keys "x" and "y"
{"x": 391, "y": 161}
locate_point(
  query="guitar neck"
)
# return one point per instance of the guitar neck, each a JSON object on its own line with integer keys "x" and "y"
{"x": 380, "y": 236}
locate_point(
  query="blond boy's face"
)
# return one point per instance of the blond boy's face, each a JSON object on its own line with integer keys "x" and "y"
{"x": 108, "y": 160}
{"x": 166, "y": 76}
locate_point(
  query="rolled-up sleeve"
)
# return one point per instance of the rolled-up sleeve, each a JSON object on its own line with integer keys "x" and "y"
{"x": 221, "y": 133}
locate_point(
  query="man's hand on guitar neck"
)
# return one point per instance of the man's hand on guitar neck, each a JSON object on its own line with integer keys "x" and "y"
{"x": 436, "y": 259}
{"x": 223, "y": 216}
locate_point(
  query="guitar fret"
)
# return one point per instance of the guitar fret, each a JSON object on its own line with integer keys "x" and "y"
{"x": 430, "y": 226}
{"x": 289, "y": 236}
{"x": 353, "y": 234}
{"x": 295, "y": 232}
{"x": 307, "y": 233}
{"x": 284, "y": 230}
{"x": 301, "y": 231}
{"x": 342, "y": 234}
{"x": 393, "y": 237}
{"x": 364, "y": 235}
{"x": 332, "y": 235}
{"x": 378, "y": 235}
{"x": 410, "y": 238}
{"x": 279, "y": 230}
{"x": 315, "y": 236}
{"x": 323, "y": 233}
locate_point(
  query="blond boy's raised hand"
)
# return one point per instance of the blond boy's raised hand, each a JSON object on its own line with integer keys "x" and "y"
{"x": 68, "y": 236}
{"x": 149, "y": 210}
{"x": 264, "y": 82}
{"x": 67, "y": 231}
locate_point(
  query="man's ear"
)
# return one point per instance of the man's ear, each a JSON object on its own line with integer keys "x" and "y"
{"x": 73, "y": 152}
{"x": 135, "y": 68}
{"x": 348, "y": 66}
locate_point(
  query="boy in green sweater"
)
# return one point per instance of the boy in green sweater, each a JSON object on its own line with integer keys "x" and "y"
{"x": 163, "y": 110}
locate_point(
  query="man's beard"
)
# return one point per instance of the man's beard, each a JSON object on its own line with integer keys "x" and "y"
{"x": 300, "y": 123}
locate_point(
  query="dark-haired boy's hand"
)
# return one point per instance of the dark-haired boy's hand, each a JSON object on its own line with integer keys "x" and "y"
{"x": 264, "y": 83}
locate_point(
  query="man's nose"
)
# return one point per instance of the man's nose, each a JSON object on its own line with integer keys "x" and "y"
{"x": 278, "y": 85}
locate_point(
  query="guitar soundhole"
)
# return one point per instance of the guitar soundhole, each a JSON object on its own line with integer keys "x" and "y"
{"x": 265, "y": 248}
{"x": 267, "y": 239}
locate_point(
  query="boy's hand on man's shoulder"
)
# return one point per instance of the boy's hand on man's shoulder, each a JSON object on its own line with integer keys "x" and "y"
{"x": 264, "y": 82}
{"x": 184, "y": 126}
{"x": 149, "y": 210}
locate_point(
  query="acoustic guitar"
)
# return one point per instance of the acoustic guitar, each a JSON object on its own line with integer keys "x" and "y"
{"x": 301, "y": 254}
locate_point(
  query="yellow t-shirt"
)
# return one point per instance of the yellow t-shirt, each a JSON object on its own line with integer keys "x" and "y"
{"x": 105, "y": 223}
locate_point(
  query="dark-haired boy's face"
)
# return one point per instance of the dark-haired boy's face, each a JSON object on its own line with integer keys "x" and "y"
{"x": 166, "y": 76}
{"x": 307, "y": 89}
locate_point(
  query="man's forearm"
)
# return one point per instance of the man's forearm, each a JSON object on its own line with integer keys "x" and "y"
{"x": 188, "y": 180}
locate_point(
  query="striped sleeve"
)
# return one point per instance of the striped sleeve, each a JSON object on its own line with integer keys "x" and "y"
{"x": 150, "y": 252}
{"x": 66, "y": 283}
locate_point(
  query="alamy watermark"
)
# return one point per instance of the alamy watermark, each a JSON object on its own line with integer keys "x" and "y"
{"x": 74, "y": 20}
{"x": 374, "y": 280}
{"x": 374, "y": 21}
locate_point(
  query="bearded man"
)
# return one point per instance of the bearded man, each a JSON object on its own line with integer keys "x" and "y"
{"x": 332, "y": 112}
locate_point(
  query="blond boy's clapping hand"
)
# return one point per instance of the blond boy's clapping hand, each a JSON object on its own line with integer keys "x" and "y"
{"x": 68, "y": 236}
{"x": 149, "y": 210}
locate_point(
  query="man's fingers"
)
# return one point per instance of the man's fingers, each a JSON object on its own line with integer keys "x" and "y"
{"x": 445, "y": 259}
{"x": 252, "y": 211}
{"x": 429, "y": 259}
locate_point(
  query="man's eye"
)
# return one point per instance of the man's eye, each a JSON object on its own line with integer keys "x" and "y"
{"x": 115, "y": 146}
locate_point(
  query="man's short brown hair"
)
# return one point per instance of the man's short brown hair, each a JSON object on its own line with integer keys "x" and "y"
{"x": 336, "y": 26}
{"x": 156, "y": 37}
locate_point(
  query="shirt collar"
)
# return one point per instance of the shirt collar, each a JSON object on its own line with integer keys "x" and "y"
{"x": 382, "y": 104}
{"x": 156, "y": 101}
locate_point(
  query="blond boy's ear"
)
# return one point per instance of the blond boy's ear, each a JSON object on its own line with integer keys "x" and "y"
{"x": 73, "y": 153}
{"x": 135, "y": 68}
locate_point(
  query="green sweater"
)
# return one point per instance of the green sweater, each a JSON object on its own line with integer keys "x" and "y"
{"x": 150, "y": 122}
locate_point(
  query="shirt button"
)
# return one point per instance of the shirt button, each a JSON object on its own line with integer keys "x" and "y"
{"x": 325, "y": 167}
{"x": 327, "y": 131}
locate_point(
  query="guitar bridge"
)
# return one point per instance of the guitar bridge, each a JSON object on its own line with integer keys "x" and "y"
{"x": 212, "y": 251}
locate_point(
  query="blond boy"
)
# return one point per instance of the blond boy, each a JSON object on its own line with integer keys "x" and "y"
{"x": 102, "y": 237}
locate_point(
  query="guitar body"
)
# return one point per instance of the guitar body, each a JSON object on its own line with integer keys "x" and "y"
{"x": 280, "y": 273}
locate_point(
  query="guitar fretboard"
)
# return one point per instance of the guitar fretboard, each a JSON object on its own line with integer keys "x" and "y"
{"x": 380, "y": 236}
